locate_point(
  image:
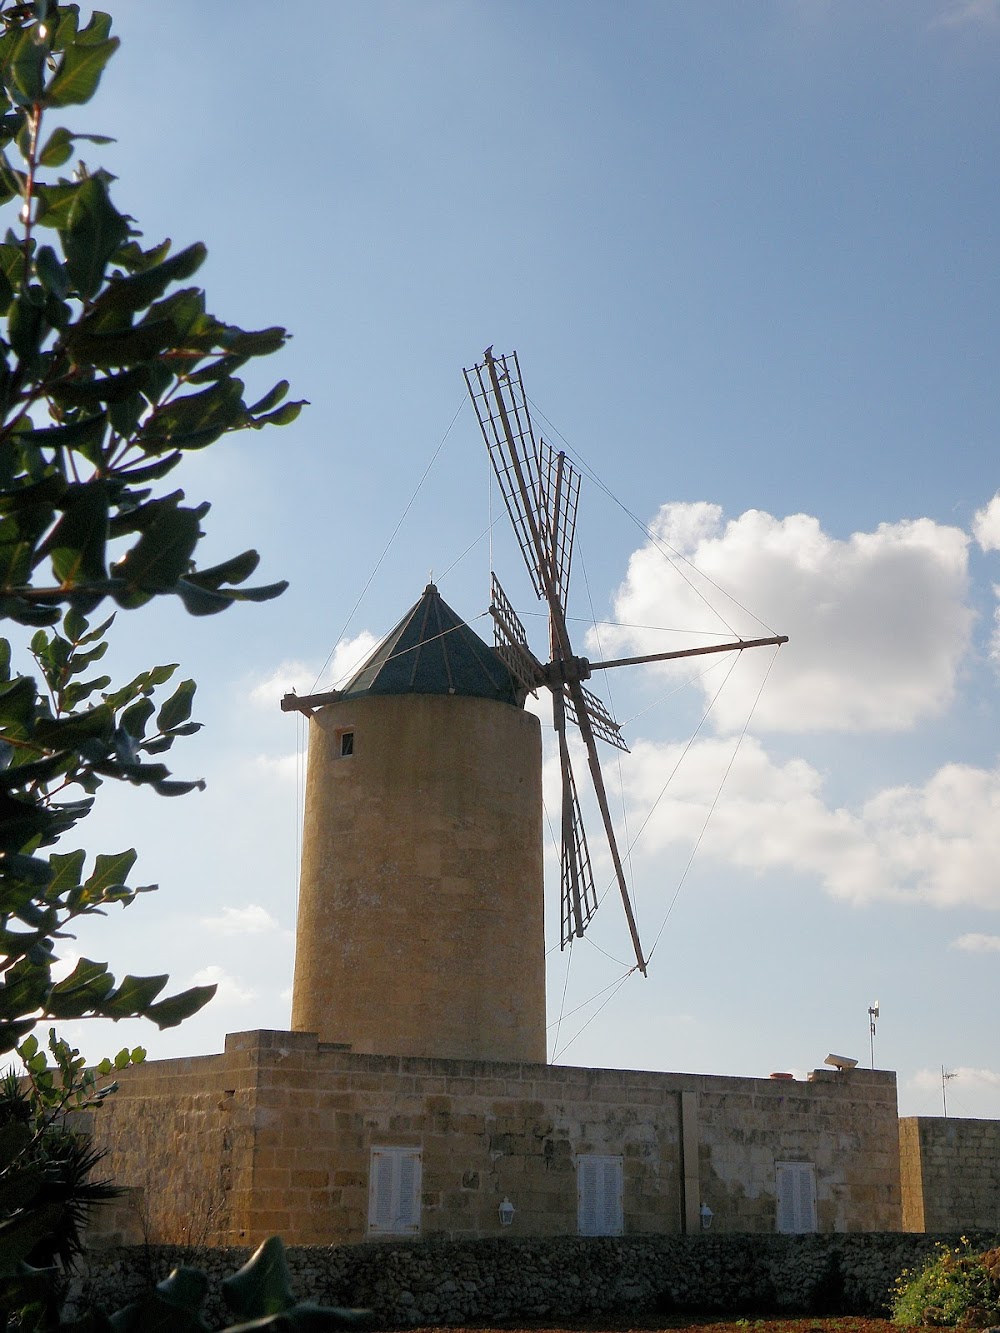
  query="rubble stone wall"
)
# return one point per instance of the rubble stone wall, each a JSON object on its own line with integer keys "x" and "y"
{"x": 460, "y": 1282}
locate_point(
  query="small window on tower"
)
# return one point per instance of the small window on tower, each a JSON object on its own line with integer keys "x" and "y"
{"x": 346, "y": 743}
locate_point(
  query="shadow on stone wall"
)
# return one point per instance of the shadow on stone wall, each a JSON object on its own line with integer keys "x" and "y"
{"x": 457, "y": 1282}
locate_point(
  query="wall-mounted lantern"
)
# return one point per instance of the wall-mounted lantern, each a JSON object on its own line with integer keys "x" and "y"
{"x": 506, "y": 1211}
{"x": 706, "y": 1215}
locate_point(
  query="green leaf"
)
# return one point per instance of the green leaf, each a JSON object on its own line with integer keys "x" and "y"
{"x": 81, "y": 993}
{"x": 284, "y": 416}
{"x": 261, "y": 342}
{"x": 173, "y": 787}
{"x": 78, "y": 543}
{"x": 128, "y": 295}
{"x": 67, "y": 868}
{"x": 26, "y": 328}
{"x": 177, "y": 709}
{"x": 51, "y": 273}
{"x": 168, "y": 1013}
{"x": 133, "y": 998}
{"x": 110, "y": 873}
{"x": 163, "y": 551}
{"x": 202, "y": 601}
{"x": 122, "y": 347}
{"x": 271, "y": 399}
{"x": 93, "y": 232}
{"x": 236, "y": 570}
{"x": 135, "y": 717}
{"x": 93, "y": 393}
{"x": 204, "y": 415}
{"x": 80, "y": 72}
{"x": 66, "y": 733}
{"x": 17, "y": 702}
{"x": 263, "y": 1285}
{"x": 24, "y": 69}
{"x": 59, "y": 146}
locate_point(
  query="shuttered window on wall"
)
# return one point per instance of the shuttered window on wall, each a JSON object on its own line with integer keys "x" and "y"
{"x": 796, "y": 1190}
{"x": 599, "y": 1196}
{"x": 394, "y": 1192}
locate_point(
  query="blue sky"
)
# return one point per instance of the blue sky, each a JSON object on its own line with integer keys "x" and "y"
{"x": 747, "y": 256}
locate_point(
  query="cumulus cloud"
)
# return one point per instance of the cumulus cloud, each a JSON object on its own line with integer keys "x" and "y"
{"x": 936, "y": 843}
{"x": 995, "y": 636}
{"x": 249, "y": 920}
{"x": 230, "y": 990}
{"x": 973, "y": 943}
{"x": 878, "y": 624}
{"x": 986, "y": 525}
{"x": 302, "y": 677}
{"x": 267, "y": 691}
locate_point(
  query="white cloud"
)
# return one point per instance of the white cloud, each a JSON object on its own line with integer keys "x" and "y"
{"x": 877, "y": 624}
{"x": 963, "y": 1076}
{"x": 283, "y": 767}
{"x": 973, "y": 943}
{"x": 305, "y": 678}
{"x": 249, "y": 920}
{"x": 230, "y": 990}
{"x": 995, "y": 636}
{"x": 986, "y": 525}
{"x": 961, "y": 13}
{"x": 936, "y": 843}
{"x": 287, "y": 676}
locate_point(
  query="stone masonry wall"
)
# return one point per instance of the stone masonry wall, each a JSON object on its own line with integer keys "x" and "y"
{"x": 950, "y": 1173}
{"x": 483, "y": 1281}
{"x": 179, "y": 1135}
{"x": 276, "y": 1136}
{"x": 845, "y": 1123}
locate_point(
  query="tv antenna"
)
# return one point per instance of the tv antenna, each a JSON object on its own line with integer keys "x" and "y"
{"x": 945, "y": 1076}
{"x": 872, "y": 1020}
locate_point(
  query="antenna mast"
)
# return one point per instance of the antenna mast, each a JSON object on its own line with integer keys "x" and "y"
{"x": 872, "y": 1020}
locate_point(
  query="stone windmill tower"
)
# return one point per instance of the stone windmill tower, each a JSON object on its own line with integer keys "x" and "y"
{"x": 420, "y": 905}
{"x": 420, "y": 925}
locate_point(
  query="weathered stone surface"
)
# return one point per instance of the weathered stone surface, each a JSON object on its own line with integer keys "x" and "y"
{"x": 949, "y": 1173}
{"x": 410, "y": 1284}
{"x": 276, "y": 1135}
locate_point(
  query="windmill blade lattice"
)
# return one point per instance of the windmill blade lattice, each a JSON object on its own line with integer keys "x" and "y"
{"x": 604, "y": 725}
{"x": 541, "y": 491}
{"x": 511, "y": 641}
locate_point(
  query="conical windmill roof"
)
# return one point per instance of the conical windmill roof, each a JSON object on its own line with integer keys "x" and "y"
{"x": 433, "y": 651}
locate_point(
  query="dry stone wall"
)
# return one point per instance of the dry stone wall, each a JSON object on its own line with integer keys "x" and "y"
{"x": 458, "y": 1282}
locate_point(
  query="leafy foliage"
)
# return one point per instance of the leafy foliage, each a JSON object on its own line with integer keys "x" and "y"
{"x": 112, "y": 369}
{"x": 260, "y": 1295}
{"x": 957, "y": 1287}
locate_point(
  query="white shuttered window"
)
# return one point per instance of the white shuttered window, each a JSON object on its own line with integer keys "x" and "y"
{"x": 796, "y": 1189}
{"x": 599, "y": 1196}
{"x": 394, "y": 1192}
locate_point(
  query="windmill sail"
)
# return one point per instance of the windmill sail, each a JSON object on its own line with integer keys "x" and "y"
{"x": 541, "y": 490}
{"x": 511, "y": 642}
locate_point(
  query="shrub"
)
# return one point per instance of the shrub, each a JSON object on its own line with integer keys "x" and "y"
{"x": 957, "y": 1287}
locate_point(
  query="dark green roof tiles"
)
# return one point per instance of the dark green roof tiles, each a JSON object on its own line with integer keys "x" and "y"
{"x": 433, "y": 651}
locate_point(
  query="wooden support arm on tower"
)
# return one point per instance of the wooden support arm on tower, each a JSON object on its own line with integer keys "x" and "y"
{"x": 307, "y": 703}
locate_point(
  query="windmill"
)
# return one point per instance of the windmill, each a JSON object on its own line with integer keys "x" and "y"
{"x": 541, "y": 490}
